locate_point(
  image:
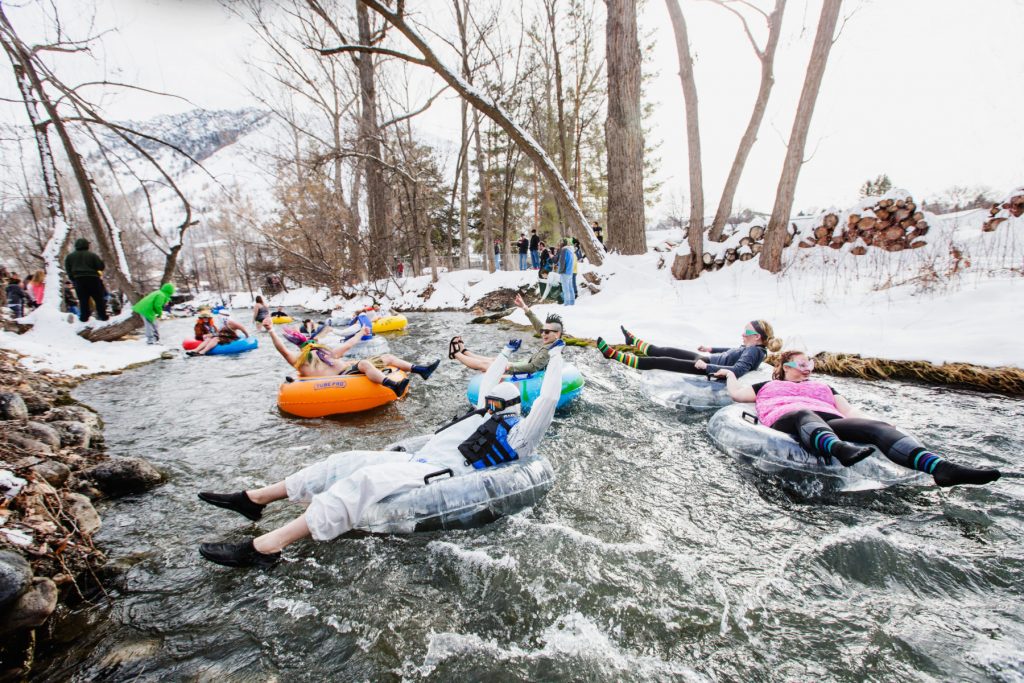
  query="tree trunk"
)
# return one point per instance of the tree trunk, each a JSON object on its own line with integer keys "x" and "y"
{"x": 496, "y": 113}
{"x": 551, "y": 9}
{"x": 776, "y": 231}
{"x": 376, "y": 191}
{"x": 767, "y": 59}
{"x": 689, "y": 267}
{"x": 113, "y": 330}
{"x": 485, "y": 198}
{"x": 624, "y": 131}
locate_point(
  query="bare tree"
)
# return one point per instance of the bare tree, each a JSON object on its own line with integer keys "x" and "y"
{"x": 777, "y": 228}
{"x": 767, "y": 58}
{"x": 689, "y": 266}
{"x": 624, "y": 131}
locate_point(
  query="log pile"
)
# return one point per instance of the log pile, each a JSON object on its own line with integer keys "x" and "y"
{"x": 891, "y": 224}
{"x": 746, "y": 248}
{"x": 1014, "y": 206}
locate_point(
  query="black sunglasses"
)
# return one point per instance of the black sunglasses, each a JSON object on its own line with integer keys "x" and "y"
{"x": 547, "y": 330}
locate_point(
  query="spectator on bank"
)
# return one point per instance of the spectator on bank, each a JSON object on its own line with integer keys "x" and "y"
{"x": 598, "y": 233}
{"x": 524, "y": 247}
{"x": 17, "y": 298}
{"x": 151, "y": 307}
{"x": 84, "y": 268}
{"x": 70, "y": 302}
{"x": 497, "y": 255}
{"x": 566, "y": 263}
{"x": 535, "y": 249}
{"x": 36, "y": 286}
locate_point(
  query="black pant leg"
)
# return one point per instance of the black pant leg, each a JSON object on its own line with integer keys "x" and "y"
{"x": 877, "y": 433}
{"x": 669, "y": 352}
{"x": 82, "y": 292}
{"x": 670, "y": 364}
{"x": 98, "y": 293}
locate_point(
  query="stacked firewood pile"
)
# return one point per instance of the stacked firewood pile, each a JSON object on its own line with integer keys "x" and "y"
{"x": 745, "y": 248}
{"x": 1014, "y": 206}
{"x": 891, "y": 224}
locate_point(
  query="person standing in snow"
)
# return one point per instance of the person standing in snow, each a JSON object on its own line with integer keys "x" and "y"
{"x": 84, "y": 268}
{"x": 151, "y": 307}
{"x": 566, "y": 268}
{"x": 16, "y": 296}
{"x": 535, "y": 249}
{"x": 340, "y": 489}
{"x": 497, "y": 255}
{"x": 524, "y": 247}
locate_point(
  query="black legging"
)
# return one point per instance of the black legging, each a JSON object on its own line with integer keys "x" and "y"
{"x": 673, "y": 360}
{"x": 90, "y": 288}
{"x": 896, "y": 444}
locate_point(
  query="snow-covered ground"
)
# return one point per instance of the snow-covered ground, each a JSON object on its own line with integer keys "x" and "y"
{"x": 955, "y": 300}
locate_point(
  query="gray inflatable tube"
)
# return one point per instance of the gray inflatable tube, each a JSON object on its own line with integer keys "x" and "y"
{"x": 770, "y": 450}
{"x": 678, "y": 390}
{"x": 374, "y": 346}
{"x": 463, "y": 502}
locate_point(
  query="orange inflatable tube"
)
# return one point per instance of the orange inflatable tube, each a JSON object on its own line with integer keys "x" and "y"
{"x": 323, "y": 396}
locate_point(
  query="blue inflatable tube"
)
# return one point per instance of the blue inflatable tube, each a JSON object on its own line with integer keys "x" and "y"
{"x": 237, "y": 346}
{"x": 529, "y": 386}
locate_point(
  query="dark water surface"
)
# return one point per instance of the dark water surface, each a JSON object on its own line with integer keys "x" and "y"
{"x": 655, "y": 557}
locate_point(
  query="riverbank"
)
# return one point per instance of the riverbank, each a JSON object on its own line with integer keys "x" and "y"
{"x": 53, "y": 466}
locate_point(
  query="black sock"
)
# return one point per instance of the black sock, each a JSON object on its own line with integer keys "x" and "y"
{"x": 425, "y": 371}
{"x": 397, "y": 387}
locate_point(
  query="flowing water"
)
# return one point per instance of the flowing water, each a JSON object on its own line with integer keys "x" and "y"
{"x": 655, "y": 556}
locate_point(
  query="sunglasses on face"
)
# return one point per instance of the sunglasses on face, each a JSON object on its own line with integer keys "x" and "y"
{"x": 801, "y": 365}
{"x": 547, "y": 331}
{"x": 497, "y": 405}
{"x": 750, "y": 333}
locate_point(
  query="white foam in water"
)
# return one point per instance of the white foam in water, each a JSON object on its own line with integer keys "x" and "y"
{"x": 572, "y": 635}
{"x": 297, "y": 609}
{"x": 477, "y": 558}
{"x": 587, "y": 539}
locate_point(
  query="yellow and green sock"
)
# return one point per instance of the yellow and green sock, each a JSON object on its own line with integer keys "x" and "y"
{"x": 633, "y": 341}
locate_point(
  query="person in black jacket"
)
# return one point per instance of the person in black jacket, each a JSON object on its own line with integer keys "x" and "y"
{"x": 84, "y": 268}
{"x": 16, "y": 296}
{"x": 535, "y": 249}
{"x": 758, "y": 339}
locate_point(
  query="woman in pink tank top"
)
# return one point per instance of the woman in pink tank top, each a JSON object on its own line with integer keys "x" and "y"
{"x": 824, "y": 423}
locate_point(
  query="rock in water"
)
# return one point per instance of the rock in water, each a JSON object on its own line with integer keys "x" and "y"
{"x": 15, "y": 575}
{"x": 121, "y": 476}
{"x": 31, "y": 609}
{"x": 81, "y": 510}
{"x": 12, "y": 406}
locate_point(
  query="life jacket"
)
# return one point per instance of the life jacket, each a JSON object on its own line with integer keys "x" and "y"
{"x": 204, "y": 326}
{"x": 779, "y": 397}
{"x": 488, "y": 445}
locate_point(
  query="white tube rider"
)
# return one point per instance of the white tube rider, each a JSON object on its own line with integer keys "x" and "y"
{"x": 341, "y": 487}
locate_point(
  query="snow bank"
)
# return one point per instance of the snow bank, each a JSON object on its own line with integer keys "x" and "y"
{"x": 53, "y": 344}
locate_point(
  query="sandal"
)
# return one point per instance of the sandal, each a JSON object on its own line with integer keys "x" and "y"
{"x": 454, "y": 346}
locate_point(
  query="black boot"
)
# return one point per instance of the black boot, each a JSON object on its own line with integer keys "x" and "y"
{"x": 239, "y": 502}
{"x": 425, "y": 371}
{"x": 948, "y": 474}
{"x": 242, "y": 554}
{"x": 847, "y": 454}
{"x": 397, "y": 387}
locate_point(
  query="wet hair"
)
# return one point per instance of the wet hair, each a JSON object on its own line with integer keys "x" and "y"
{"x": 780, "y": 372}
{"x": 555, "y": 319}
{"x": 259, "y": 299}
{"x": 768, "y": 338}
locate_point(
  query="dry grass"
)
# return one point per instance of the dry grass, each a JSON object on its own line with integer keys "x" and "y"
{"x": 1009, "y": 381}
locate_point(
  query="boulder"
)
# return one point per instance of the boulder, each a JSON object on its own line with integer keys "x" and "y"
{"x": 15, "y": 576}
{"x": 28, "y": 444}
{"x": 43, "y": 432}
{"x": 52, "y": 472}
{"x": 81, "y": 510}
{"x": 36, "y": 404}
{"x": 73, "y": 434}
{"x": 120, "y": 476}
{"x": 31, "y": 609}
{"x": 76, "y": 413}
{"x": 12, "y": 406}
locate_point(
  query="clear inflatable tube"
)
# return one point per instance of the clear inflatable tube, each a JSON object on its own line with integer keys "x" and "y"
{"x": 678, "y": 390}
{"x": 770, "y": 450}
{"x": 374, "y": 346}
{"x": 462, "y": 502}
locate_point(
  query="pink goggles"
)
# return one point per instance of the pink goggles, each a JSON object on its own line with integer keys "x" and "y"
{"x": 801, "y": 365}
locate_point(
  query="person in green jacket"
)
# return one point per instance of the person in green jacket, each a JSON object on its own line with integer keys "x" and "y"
{"x": 151, "y": 307}
{"x": 84, "y": 268}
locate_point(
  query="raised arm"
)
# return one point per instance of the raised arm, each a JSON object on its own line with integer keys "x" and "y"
{"x": 493, "y": 375}
{"x": 347, "y": 345}
{"x": 279, "y": 344}
{"x": 527, "y": 435}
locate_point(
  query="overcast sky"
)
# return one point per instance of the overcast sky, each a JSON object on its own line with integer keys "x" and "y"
{"x": 927, "y": 91}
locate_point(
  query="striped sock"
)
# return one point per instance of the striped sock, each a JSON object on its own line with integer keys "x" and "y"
{"x": 632, "y": 340}
{"x": 824, "y": 442}
{"x": 611, "y": 354}
{"x": 925, "y": 461}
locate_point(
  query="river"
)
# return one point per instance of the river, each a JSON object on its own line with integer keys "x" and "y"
{"x": 655, "y": 556}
